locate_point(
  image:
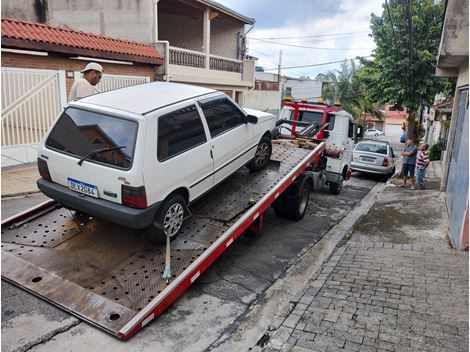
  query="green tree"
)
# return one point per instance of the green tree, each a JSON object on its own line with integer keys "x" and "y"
{"x": 348, "y": 86}
{"x": 407, "y": 36}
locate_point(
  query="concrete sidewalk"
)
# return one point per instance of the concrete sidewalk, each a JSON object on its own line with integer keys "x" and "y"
{"x": 19, "y": 180}
{"x": 396, "y": 285}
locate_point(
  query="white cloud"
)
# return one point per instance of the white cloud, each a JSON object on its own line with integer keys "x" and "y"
{"x": 346, "y": 16}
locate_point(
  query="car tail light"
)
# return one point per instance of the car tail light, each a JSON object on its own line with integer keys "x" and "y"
{"x": 43, "y": 169}
{"x": 385, "y": 162}
{"x": 134, "y": 196}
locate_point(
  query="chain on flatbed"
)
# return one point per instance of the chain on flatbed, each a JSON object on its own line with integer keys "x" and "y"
{"x": 106, "y": 274}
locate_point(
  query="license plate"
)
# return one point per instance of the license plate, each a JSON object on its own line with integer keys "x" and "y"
{"x": 82, "y": 187}
{"x": 368, "y": 160}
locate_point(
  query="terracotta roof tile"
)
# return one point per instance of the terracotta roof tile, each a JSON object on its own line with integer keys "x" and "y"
{"x": 64, "y": 37}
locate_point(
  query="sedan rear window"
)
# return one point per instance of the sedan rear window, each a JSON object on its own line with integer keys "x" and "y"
{"x": 373, "y": 148}
{"x": 84, "y": 133}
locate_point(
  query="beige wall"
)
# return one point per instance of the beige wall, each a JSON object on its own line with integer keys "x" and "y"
{"x": 263, "y": 100}
{"x": 125, "y": 19}
{"x": 205, "y": 76}
{"x": 224, "y": 37}
{"x": 462, "y": 80}
{"x": 181, "y": 31}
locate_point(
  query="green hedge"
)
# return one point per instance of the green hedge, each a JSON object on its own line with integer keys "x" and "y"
{"x": 435, "y": 152}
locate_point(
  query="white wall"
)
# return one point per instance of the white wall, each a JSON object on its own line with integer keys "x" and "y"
{"x": 304, "y": 89}
{"x": 393, "y": 130}
{"x": 264, "y": 100}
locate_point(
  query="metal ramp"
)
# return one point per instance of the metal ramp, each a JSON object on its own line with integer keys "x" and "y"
{"x": 111, "y": 276}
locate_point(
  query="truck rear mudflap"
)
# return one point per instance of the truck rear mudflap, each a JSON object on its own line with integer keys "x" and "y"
{"x": 111, "y": 276}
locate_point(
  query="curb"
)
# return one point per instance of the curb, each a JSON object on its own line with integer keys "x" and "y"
{"x": 264, "y": 321}
{"x": 19, "y": 194}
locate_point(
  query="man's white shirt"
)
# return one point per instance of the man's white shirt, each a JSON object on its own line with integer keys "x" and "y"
{"x": 81, "y": 89}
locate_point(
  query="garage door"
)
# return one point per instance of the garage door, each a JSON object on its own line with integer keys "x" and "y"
{"x": 393, "y": 130}
{"x": 31, "y": 100}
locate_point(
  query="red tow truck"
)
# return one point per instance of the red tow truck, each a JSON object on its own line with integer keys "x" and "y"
{"x": 116, "y": 278}
{"x": 338, "y": 136}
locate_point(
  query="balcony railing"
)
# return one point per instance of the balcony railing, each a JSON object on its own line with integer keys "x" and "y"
{"x": 184, "y": 57}
{"x": 190, "y": 58}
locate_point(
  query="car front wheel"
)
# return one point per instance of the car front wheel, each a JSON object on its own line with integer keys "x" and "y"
{"x": 262, "y": 155}
{"x": 168, "y": 220}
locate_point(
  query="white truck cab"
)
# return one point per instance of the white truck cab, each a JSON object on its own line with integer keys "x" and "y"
{"x": 338, "y": 136}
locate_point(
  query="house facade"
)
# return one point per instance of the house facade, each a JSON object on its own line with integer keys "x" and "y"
{"x": 453, "y": 62}
{"x": 40, "y": 64}
{"x": 267, "y": 94}
{"x": 203, "y": 42}
{"x": 394, "y": 120}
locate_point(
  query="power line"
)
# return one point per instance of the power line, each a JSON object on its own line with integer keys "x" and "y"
{"x": 321, "y": 64}
{"x": 308, "y": 47}
{"x": 310, "y": 36}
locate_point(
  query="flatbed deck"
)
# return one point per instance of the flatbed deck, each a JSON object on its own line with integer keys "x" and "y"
{"x": 111, "y": 276}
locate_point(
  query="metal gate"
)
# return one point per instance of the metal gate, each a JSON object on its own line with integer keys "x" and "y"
{"x": 457, "y": 181}
{"x": 31, "y": 100}
{"x": 110, "y": 82}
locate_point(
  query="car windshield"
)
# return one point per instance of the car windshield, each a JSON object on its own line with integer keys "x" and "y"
{"x": 372, "y": 147}
{"x": 81, "y": 133}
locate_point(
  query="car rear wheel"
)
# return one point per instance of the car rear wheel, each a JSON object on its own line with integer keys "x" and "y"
{"x": 262, "y": 155}
{"x": 335, "y": 187}
{"x": 168, "y": 220}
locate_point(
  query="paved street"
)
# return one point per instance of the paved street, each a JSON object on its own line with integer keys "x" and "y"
{"x": 394, "y": 286}
{"x": 210, "y": 312}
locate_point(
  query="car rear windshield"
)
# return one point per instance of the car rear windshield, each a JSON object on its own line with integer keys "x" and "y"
{"x": 373, "y": 148}
{"x": 85, "y": 133}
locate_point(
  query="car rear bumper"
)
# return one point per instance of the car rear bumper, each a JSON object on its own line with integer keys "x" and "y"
{"x": 373, "y": 169}
{"x": 100, "y": 208}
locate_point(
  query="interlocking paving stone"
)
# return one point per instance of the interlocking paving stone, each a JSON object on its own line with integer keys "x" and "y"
{"x": 385, "y": 297}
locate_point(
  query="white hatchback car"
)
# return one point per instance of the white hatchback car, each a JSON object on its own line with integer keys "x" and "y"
{"x": 138, "y": 156}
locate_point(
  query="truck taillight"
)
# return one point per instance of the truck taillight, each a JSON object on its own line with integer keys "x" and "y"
{"x": 43, "y": 169}
{"x": 385, "y": 162}
{"x": 133, "y": 196}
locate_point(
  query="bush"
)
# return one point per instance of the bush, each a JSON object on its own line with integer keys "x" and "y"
{"x": 435, "y": 152}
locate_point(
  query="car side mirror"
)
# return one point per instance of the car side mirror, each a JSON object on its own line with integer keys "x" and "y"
{"x": 251, "y": 119}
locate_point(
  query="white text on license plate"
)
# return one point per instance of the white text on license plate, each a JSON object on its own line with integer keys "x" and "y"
{"x": 82, "y": 187}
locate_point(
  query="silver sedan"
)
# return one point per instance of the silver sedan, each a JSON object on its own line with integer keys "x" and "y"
{"x": 374, "y": 157}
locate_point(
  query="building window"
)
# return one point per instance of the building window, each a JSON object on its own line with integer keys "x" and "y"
{"x": 288, "y": 90}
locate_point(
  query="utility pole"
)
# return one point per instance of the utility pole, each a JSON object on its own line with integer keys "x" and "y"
{"x": 279, "y": 68}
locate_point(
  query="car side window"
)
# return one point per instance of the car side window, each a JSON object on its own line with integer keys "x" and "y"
{"x": 179, "y": 131}
{"x": 221, "y": 115}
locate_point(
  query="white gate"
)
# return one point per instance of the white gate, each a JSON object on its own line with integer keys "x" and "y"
{"x": 110, "y": 82}
{"x": 31, "y": 100}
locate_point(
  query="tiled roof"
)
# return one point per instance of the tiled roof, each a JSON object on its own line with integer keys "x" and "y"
{"x": 32, "y": 35}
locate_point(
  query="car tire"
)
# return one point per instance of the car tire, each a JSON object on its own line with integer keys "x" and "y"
{"x": 262, "y": 155}
{"x": 335, "y": 187}
{"x": 170, "y": 215}
{"x": 384, "y": 178}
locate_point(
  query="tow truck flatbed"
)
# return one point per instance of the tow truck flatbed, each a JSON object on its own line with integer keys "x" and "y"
{"x": 112, "y": 277}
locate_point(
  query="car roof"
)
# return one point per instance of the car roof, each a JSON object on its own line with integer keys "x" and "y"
{"x": 143, "y": 98}
{"x": 370, "y": 141}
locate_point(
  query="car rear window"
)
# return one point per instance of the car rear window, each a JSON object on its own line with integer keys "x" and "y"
{"x": 373, "y": 148}
{"x": 81, "y": 132}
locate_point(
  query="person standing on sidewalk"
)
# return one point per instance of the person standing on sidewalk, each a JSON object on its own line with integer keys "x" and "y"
{"x": 409, "y": 162}
{"x": 86, "y": 85}
{"x": 422, "y": 162}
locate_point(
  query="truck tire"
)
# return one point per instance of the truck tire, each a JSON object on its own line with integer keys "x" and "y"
{"x": 335, "y": 187}
{"x": 262, "y": 155}
{"x": 293, "y": 203}
{"x": 170, "y": 215}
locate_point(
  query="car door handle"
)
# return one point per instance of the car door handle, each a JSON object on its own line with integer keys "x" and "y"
{"x": 212, "y": 155}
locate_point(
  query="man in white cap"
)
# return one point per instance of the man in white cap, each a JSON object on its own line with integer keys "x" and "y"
{"x": 85, "y": 86}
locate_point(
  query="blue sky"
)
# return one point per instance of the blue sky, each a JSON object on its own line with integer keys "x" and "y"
{"x": 335, "y": 30}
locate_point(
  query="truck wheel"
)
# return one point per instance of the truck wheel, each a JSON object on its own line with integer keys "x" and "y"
{"x": 262, "y": 155}
{"x": 170, "y": 216}
{"x": 295, "y": 207}
{"x": 335, "y": 187}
